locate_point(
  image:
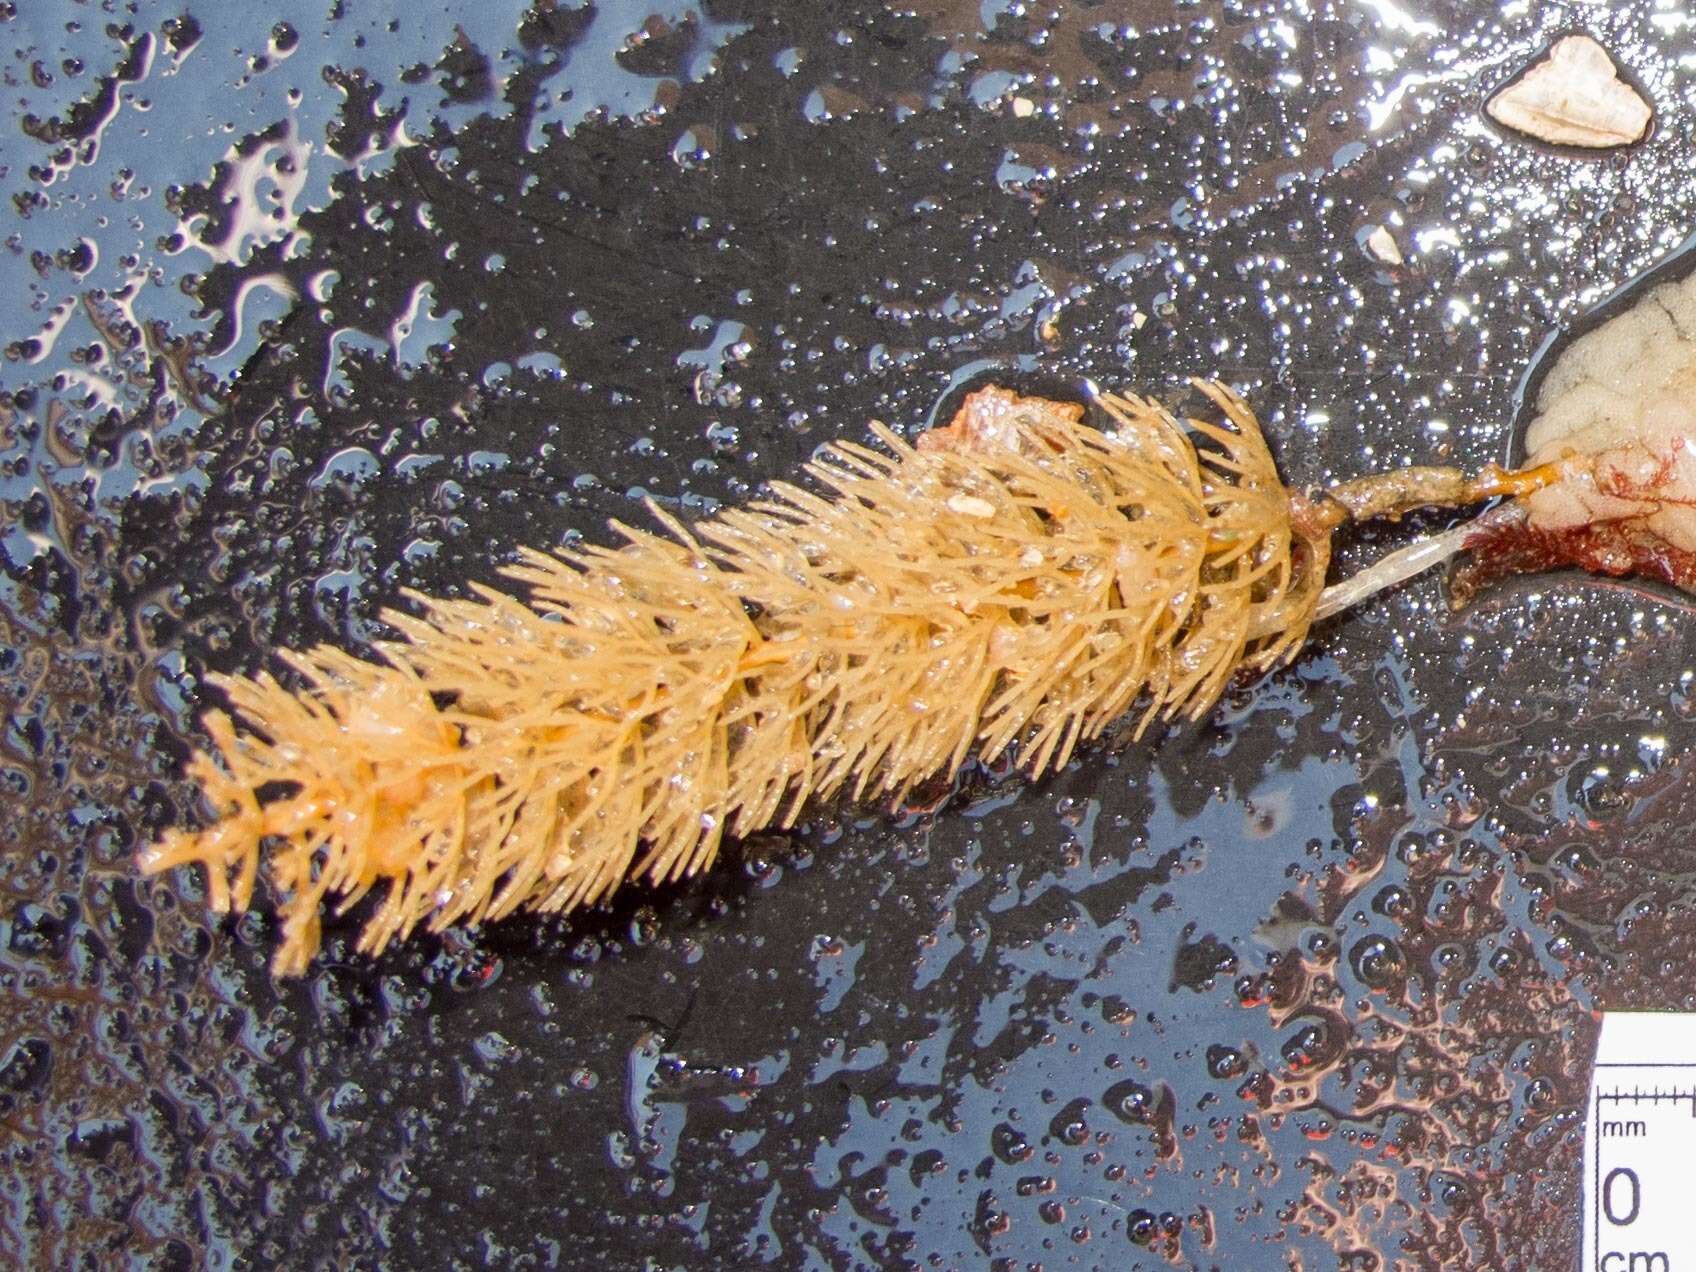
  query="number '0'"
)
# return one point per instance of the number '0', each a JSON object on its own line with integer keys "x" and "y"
{"x": 1610, "y": 1207}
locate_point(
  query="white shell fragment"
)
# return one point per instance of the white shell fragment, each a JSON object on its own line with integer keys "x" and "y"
{"x": 1382, "y": 244}
{"x": 1573, "y": 97}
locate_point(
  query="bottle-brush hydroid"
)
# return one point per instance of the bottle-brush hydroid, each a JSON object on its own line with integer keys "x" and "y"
{"x": 1018, "y": 579}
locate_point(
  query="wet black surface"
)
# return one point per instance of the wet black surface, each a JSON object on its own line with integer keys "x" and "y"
{"x": 309, "y": 307}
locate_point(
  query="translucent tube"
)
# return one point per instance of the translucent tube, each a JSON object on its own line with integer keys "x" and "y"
{"x": 1405, "y": 563}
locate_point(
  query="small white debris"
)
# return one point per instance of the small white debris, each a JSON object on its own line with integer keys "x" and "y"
{"x": 1382, "y": 244}
{"x": 1573, "y": 97}
{"x": 1030, "y": 558}
{"x": 1138, "y": 318}
{"x": 972, "y": 506}
{"x": 1023, "y": 107}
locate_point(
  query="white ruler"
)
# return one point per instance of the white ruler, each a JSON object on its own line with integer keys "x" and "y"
{"x": 1640, "y": 1146}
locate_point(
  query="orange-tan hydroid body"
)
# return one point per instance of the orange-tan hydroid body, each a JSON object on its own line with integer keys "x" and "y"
{"x": 1016, "y": 578}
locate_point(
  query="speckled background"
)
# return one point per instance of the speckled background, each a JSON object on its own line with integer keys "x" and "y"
{"x": 308, "y": 305}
